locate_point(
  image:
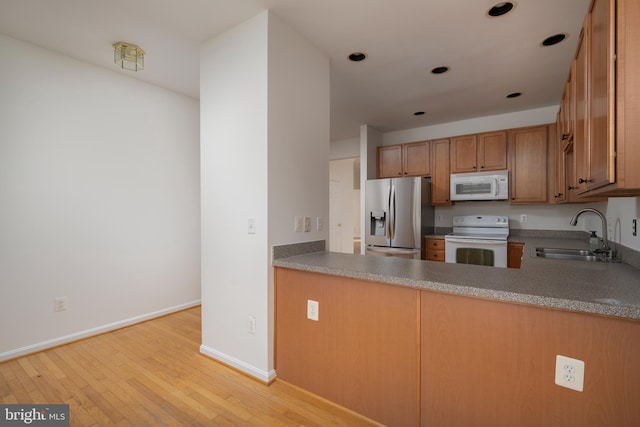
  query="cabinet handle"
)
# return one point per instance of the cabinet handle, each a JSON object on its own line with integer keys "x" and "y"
{"x": 565, "y": 136}
{"x": 582, "y": 181}
{"x": 481, "y": 167}
{"x": 571, "y": 188}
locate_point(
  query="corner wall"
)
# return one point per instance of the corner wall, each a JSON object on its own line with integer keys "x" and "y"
{"x": 264, "y": 156}
{"x": 99, "y": 185}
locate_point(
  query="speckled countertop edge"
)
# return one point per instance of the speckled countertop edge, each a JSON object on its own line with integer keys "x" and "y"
{"x": 606, "y": 289}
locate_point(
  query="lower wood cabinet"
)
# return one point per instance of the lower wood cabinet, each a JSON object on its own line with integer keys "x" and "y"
{"x": 435, "y": 248}
{"x": 408, "y": 357}
{"x": 515, "y": 250}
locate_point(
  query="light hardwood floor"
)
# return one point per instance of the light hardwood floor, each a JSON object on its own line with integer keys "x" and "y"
{"x": 152, "y": 374}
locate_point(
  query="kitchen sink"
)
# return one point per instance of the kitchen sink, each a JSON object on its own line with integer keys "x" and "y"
{"x": 566, "y": 254}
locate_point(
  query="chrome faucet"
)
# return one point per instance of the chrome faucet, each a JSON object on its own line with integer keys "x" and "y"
{"x": 605, "y": 249}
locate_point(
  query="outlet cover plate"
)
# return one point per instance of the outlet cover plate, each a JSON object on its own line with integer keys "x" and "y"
{"x": 569, "y": 373}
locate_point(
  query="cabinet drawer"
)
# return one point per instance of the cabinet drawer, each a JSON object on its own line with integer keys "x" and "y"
{"x": 431, "y": 243}
{"x": 435, "y": 255}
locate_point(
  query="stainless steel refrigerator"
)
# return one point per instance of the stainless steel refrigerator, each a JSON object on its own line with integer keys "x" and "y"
{"x": 398, "y": 214}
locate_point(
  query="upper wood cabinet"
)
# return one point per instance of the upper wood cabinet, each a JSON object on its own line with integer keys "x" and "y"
{"x": 567, "y": 115}
{"x": 440, "y": 181}
{"x": 528, "y": 151}
{"x": 390, "y": 161}
{"x": 476, "y": 153}
{"x": 607, "y": 81}
{"x": 413, "y": 159}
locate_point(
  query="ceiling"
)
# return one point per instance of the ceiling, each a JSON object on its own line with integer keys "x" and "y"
{"x": 489, "y": 57}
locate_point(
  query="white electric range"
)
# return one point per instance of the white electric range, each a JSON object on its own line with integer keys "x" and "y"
{"x": 478, "y": 239}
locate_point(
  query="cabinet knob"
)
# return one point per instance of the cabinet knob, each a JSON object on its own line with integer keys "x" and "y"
{"x": 582, "y": 181}
{"x": 565, "y": 136}
{"x": 481, "y": 167}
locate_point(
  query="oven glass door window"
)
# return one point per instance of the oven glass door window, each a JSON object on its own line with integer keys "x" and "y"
{"x": 477, "y": 256}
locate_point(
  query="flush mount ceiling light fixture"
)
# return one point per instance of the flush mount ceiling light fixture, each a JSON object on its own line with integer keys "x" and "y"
{"x": 500, "y": 9}
{"x": 128, "y": 56}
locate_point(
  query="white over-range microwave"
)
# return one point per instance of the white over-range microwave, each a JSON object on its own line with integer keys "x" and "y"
{"x": 480, "y": 186}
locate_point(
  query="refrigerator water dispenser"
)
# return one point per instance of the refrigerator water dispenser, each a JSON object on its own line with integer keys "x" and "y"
{"x": 378, "y": 223}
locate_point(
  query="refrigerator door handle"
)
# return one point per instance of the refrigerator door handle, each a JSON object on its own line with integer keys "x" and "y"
{"x": 392, "y": 210}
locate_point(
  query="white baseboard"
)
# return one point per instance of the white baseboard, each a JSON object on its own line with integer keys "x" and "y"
{"x": 259, "y": 374}
{"x": 33, "y": 348}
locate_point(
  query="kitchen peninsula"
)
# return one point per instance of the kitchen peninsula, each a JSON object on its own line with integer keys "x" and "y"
{"x": 409, "y": 342}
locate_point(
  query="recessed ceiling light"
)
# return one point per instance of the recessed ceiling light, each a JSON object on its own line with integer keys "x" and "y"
{"x": 514, "y": 95}
{"x": 555, "y": 39}
{"x": 500, "y": 9}
{"x": 419, "y": 113}
{"x": 357, "y": 56}
{"x": 439, "y": 70}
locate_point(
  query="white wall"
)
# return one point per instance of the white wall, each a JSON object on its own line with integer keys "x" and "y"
{"x": 344, "y": 149}
{"x": 264, "y": 155}
{"x": 621, "y": 211}
{"x": 517, "y": 119}
{"x": 99, "y": 191}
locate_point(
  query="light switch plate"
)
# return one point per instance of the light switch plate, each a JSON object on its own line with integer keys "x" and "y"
{"x": 313, "y": 308}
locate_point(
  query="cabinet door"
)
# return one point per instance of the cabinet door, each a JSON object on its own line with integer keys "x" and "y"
{"x": 528, "y": 165}
{"x": 464, "y": 154}
{"x": 417, "y": 158}
{"x": 440, "y": 181}
{"x": 602, "y": 95}
{"x": 390, "y": 161}
{"x": 580, "y": 132}
{"x": 567, "y": 109}
{"x": 557, "y": 168}
{"x": 492, "y": 151}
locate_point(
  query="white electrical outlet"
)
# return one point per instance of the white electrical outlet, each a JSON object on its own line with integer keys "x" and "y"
{"x": 60, "y": 304}
{"x": 313, "y": 308}
{"x": 523, "y": 219}
{"x": 251, "y": 226}
{"x": 569, "y": 373}
{"x": 299, "y": 224}
{"x": 307, "y": 224}
{"x": 252, "y": 325}
{"x": 319, "y": 224}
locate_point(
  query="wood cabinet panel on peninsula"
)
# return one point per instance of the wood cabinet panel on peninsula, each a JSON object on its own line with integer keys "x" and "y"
{"x": 413, "y": 159}
{"x": 362, "y": 353}
{"x": 405, "y": 357}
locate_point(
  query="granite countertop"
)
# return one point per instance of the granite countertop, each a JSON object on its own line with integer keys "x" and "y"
{"x": 611, "y": 289}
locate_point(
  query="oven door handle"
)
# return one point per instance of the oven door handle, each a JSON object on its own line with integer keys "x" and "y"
{"x": 482, "y": 242}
